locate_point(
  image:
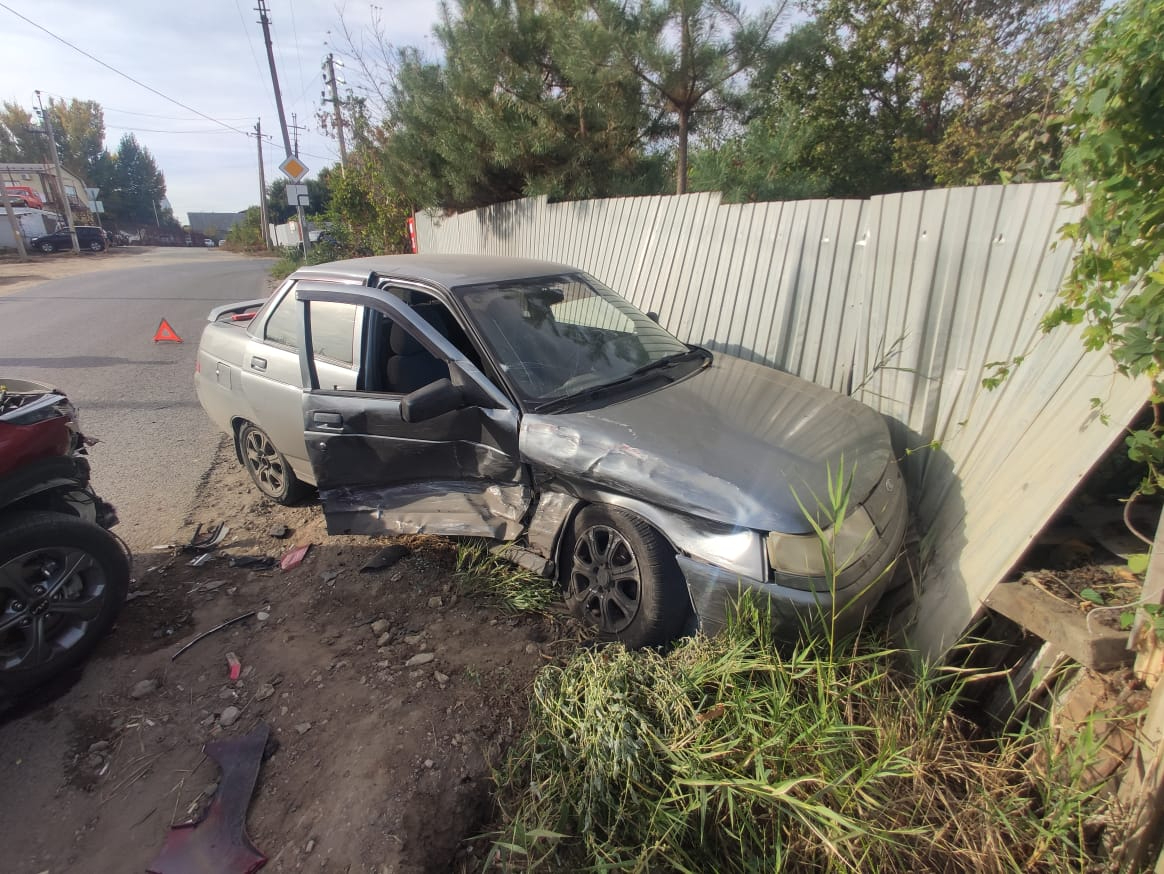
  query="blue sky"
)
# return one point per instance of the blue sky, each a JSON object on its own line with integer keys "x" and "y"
{"x": 209, "y": 56}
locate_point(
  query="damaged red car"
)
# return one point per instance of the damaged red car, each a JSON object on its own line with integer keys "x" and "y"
{"x": 63, "y": 575}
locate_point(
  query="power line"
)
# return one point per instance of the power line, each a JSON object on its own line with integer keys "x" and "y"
{"x": 124, "y": 75}
{"x": 150, "y": 130}
{"x": 250, "y": 42}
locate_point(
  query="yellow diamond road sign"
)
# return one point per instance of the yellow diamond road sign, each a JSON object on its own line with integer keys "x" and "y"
{"x": 293, "y": 168}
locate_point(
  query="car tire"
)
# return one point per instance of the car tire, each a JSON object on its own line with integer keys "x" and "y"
{"x": 96, "y": 246}
{"x": 620, "y": 574}
{"x": 267, "y": 466}
{"x": 47, "y": 247}
{"x": 36, "y": 552}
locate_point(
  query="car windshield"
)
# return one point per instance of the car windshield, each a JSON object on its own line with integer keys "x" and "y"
{"x": 556, "y": 336}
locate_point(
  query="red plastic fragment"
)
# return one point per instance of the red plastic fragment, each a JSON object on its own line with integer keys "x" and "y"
{"x": 293, "y": 557}
{"x": 218, "y": 844}
{"x": 235, "y": 665}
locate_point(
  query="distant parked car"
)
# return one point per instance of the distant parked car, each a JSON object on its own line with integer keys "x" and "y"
{"x": 209, "y": 243}
{"x": 525, "y": 401}
{"x": 117, "y": 238}
{"x": 88, "y": 237}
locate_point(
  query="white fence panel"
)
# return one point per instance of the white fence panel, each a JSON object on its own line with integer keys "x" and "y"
{"x": 902, "y": 300}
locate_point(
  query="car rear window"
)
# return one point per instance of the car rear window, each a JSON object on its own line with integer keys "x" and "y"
{"x": 332, "y": 327}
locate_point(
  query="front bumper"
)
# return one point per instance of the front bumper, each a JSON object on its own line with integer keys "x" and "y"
{"x": 715, "y": 591}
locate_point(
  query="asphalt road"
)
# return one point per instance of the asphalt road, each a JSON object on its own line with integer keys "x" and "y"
{"x": 91, "y": 336}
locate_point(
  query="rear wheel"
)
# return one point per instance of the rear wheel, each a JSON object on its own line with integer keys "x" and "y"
{"x": 620, "y": 574}
{"x": 47, "y": 247}
{"x": 96, "y": 245}
{"x": 267, "y": 466}
{"x": 62, "y": 583}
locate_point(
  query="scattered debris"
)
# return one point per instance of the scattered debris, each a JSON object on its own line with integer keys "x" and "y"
{"x": 303, "y": 727}
{"x": 143, "y": 688}
{"x": 262, "y": 615}
{"x": 138, "y": 593}
{"x": 264, "y": 692}
{"x": 229, "y": 716}
{"x": 421, "y": 658}
{"x": 219, "y": 627}
{"x": 329, "y": 577}
{"x": 235, "y": 666}
{"x": 279, "y": 531}
{"x": 218, "y": 844}
{"x": 201, "y": 541}
{"x": 201, "y": 560}
{"x": 380, "y": 626}
{"x": 294, "y": 557}
{"x": 386, "y": 557}
{"x": 253, "y": 562}
{"x": 435, "y": 602}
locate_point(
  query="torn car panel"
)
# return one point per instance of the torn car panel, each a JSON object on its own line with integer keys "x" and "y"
{"x": 455, "y": 508}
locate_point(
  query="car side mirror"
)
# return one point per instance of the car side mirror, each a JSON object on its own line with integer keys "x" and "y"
{"x": 654, "y": 317}
{"x": 432, "y": 400}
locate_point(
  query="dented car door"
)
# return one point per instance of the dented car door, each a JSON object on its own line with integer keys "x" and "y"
{"x": 454, "y": 469}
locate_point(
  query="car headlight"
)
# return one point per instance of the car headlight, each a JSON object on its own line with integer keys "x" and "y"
{"x": 803, "y": 555}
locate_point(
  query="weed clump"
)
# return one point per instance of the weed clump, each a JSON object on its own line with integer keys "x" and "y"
{"x": 730, "y": 755}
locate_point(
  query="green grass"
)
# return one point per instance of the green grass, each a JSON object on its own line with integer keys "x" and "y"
{"x": 491, "y": 577}
{"x": 728, "y": 755}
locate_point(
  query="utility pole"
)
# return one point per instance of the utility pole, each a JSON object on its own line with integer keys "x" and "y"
{"x": 57, "y": 163}
{"x": 329, "y": 79}
{"x": 263, "y": 186}
{"x": 296, "y": 127}
{"x": 15, "y": 225}
{"x": 266, "y": 23}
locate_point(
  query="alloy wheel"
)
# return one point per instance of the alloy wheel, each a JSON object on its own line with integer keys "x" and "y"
{"x": 265, "y": 462}
{"x": 48, "y": 599}
{"x": 605, "y": 579}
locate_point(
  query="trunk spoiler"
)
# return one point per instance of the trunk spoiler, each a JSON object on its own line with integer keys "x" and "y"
{"x": 234, "y": 309}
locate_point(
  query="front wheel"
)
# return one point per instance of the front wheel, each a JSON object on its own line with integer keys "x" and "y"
{"x": 96, "y": 246}
{"x": 268, "y": 468}
{"x": 62, "y": 583}
{"x": 47, "y": 247}
{"x": 620, "y": 574}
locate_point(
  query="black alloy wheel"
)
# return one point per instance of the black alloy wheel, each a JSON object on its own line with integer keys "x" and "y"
{"x": 267, "y": 466}
{"x": 47, "y": 247}
{"x": 63, "y": 580}
{"x": 96, "y": 246}
{"x": 620, "y": 574}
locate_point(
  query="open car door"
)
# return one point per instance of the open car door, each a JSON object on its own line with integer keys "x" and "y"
{"x": 439, "y": 459}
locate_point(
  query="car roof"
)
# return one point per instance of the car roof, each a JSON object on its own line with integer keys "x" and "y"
{"x": 444, "y": 270}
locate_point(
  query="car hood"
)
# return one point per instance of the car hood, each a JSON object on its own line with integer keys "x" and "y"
{"x": 736, "y": 442}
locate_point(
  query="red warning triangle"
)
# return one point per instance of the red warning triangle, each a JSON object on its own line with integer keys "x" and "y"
{"x": 166, "y": 334}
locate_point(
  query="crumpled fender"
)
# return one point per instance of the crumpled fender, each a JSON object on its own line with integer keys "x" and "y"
{"x": 45, "y": 475}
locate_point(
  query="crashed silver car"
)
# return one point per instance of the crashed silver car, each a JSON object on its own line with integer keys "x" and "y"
{"x": 526, "y": 402}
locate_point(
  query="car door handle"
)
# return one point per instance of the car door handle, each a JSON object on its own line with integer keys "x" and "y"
{"x": 258, "y": 363}
{"x": 329, "y": 421}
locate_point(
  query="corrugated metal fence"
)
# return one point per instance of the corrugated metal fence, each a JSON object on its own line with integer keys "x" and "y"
{"x": 902, "y": 300}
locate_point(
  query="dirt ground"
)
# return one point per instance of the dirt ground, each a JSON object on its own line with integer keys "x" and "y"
{"x": 382, "y": 735}
{"x": 16, "y": 274}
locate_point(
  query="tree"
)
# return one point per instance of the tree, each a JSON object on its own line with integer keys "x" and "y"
{"x": 904, "y": 94}
{"x": 20, "y": 141}
{"x": 688, "y": 55}
{"x": 318, "y": 193}
{"x": 79, "y": 129}
{"x": 136, "y": 183}
{"x": 528, "y": 100}
{"x": 1114, "y": 162}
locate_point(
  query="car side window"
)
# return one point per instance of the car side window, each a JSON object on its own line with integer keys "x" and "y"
{"x": 332, "y": 328}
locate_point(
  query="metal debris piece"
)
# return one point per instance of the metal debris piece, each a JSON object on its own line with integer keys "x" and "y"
{"x": 201, "y": 559}
{"x": 386, "y": 557}
{"x": 218, "y": 843}
{"x": 254, "y": 562}
{"x": 293, "y": 557}
{"x": 223, "y": 625}
{"x": 201, "y": 541}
